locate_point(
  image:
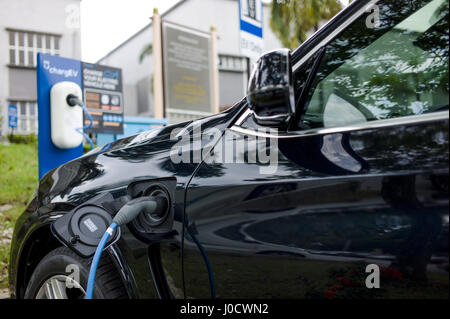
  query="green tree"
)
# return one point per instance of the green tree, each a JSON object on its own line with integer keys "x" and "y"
{"x": 292, "y": 19}
{"x": 146, "y": 50}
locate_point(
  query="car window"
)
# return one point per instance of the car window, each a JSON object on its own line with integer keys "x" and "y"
{"x": 249, "y": 122}
{"x": 397, "y": 67}
{"x": 339, "y": 112}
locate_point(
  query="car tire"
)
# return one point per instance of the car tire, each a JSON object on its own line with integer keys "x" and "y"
{"x": 50, "y": 277}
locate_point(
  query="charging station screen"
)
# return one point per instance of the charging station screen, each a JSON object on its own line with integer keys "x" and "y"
{"x": 102, "y": 86}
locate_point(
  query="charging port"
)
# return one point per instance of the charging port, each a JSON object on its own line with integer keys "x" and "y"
{"x": 161, "y": 220}
{"x": 162, "y": 212}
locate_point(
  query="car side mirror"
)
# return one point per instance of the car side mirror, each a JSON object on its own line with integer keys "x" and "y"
{"x": 270, "y": 90}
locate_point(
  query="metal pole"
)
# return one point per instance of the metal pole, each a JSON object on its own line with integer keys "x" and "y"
{"x": 215, "y": 70}
{"x": 158, "y": 93}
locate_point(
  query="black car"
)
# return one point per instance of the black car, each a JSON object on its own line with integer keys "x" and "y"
{"x": 331, "y": 172}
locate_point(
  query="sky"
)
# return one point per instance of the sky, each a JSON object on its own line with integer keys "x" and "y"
{"x": 107, "y": 23}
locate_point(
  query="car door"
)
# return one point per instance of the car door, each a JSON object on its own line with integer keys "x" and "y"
{"x": 361, "y": 179}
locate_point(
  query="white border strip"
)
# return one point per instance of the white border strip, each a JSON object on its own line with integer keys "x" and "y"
{"x": 405, "y": 120}
{"x": 188, "y": 112}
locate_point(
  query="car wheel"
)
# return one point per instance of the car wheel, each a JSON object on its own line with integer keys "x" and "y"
{"x": 62, "y": 274}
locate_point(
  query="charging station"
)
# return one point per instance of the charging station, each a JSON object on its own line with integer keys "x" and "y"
{"x": 58, "y": 140}
{"x": 66, "y": 88}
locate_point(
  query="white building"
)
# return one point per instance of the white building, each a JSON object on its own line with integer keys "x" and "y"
{"x": 26, "y": 28}
{"x": 200, "y": 15}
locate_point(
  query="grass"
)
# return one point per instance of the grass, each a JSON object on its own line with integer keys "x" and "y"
{"x": 18, "y": 178}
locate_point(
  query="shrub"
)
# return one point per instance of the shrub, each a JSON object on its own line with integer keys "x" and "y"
{"x": 23, "y": 139}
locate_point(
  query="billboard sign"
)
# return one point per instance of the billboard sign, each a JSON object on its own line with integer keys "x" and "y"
{"x": 251, "y": 28}
{"x": 187, "y": 69}
{"x": 12, "y": 116}
{"x": 102, "y": 92}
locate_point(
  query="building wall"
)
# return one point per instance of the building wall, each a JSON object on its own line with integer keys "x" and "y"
{"x": 55, "y": 19}
{"x": 201, "y": 15}
{"x": 224, "y": 15}
{"x": 136, "y": 74}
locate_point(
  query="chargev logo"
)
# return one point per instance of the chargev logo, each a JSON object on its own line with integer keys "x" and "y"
{"x": 67, "y": 73}
{"x": 215, "y": 147}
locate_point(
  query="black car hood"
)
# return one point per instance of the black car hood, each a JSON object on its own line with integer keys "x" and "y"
{"x": 117, "y": 164}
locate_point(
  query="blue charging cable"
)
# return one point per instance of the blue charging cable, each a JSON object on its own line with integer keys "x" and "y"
{"x": 127, "y": 213}
{"x": 81, "y": 129}
{"x": 212, "y": 285}
{"x": 94, "y": 265}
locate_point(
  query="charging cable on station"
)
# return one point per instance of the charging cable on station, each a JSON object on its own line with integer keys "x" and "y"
{"x": 127, "y": 213}
{"x": 73, "y": 100}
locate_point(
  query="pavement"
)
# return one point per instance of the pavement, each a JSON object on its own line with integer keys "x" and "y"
{"x": 4, "y": 208}
{"x": 4, "y": 294}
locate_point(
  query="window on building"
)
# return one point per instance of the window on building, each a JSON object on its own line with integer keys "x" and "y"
{"x": 26, "y": 117}
{"x": 232, "y": 79}
{"x": 24, "y": 46}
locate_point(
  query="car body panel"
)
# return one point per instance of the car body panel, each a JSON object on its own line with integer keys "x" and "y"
{"x": 112, "y": 169}
{"x": 339, "y": 200}
{"x": 336, "y": 203}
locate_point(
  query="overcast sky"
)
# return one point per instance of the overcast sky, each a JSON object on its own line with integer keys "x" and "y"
{"x": 107, "y": 23}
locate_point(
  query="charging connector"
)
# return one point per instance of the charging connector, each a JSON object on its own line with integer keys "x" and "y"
{"x": 128, "y": 212}
{"x": 73, "y": 100}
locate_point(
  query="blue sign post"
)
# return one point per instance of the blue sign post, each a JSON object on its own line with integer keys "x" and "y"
{"x": 12, "y": 116}
{"x": 51, "y": 70}
{"x": 251, "y": 26}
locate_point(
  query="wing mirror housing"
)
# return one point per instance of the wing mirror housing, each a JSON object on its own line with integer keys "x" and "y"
{"x": 270, "y": 90}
